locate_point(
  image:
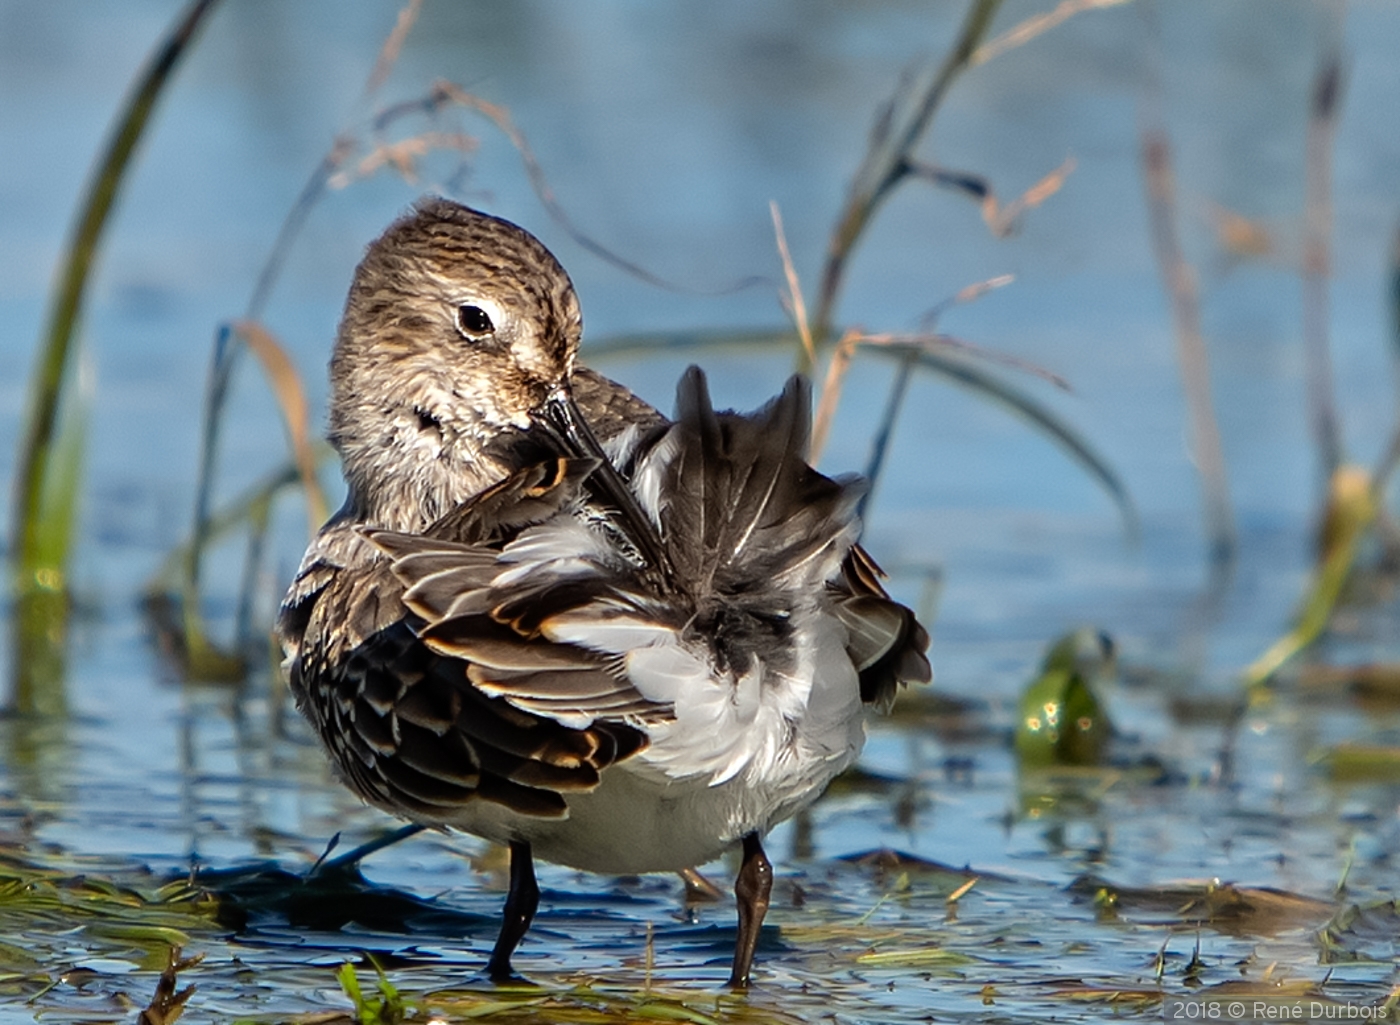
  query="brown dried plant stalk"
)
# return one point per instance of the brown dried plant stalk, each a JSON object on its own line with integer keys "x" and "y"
{"x": 1179, "y": 278}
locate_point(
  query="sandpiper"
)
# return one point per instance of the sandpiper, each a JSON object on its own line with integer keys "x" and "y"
{"x": 551, "y": 617}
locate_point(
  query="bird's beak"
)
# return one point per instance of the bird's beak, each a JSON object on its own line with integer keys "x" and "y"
{"x": 561, "y": 417}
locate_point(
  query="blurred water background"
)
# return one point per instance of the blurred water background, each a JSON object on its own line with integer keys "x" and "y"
{"x": 665, "y": 131}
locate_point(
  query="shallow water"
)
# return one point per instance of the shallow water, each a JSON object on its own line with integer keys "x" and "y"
{"x": 665, "y": 131}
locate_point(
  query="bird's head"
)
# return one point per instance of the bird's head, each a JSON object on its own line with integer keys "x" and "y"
{"x": 458, "y": 327}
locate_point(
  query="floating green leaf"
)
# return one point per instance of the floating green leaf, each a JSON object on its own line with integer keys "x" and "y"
{"x": 1061, "y": 721}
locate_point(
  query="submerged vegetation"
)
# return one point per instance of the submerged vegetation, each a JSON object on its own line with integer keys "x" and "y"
{"x": 883, "y": 932}
{"x": 1079, "y": 762}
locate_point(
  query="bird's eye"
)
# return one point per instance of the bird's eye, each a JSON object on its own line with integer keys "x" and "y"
{"x": 473, "y": 321}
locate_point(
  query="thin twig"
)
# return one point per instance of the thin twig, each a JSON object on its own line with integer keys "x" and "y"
{"x": 444, "y": 91}
{"x": 898, "y": 130}
{"x": 1317, "y": 231}
{"x": 796, "y": 305}
{"x": 831, "y": 391}
{"x": 1034, "y": 26}
{"x": 1180, "y": 280}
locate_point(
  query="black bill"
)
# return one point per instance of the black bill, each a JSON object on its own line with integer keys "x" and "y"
{"x": 562, "y": 420}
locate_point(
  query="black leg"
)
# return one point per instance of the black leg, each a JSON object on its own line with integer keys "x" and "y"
{"x": 751, "y": 890}
{"x": 521, "y": 902}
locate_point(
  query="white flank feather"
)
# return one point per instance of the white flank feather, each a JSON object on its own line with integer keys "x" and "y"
{"x": 615, "y": 635}
{"x": 564, "y": 545}
{"x": 648, "y": 479}
{"x": 619, "y": 447}
{"x": 667, "y": 672}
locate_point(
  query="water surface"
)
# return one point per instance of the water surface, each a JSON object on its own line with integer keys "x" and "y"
{"x": 665, "y": 131}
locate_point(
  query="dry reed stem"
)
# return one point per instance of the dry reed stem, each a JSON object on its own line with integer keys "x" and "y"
{"x": 403, "y": 156}
{"x": 898, "y": 128}
{"x": 903, "y": 122}
{"x": 1003, "y": 220}
{"x": 291, "y": 399}
{"x": 931, "y": 343}
{"x": 1241, "y": 237}
{"x": 926, "y": 342}
{"x": 966, "y": 294}
{"x": 225, "y": 356}
{"x": 831, "y": 391}
{"x": 449, "y": 92}
{"x": 1385, "y": 467}
{"x": 1317, "y": 230}
{"x": 911, "y": 344}
{"x": 1034, "y": 26}
{"x": 797, "y": 307}
{"x": 343, "y": 146}
{"x": 1182, "y": 290}
{"x": 393, "y": 46}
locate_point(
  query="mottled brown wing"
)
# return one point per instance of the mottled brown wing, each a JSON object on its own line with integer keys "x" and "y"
{"x": 419, "y": 728}
{"x": 472, "y": 604}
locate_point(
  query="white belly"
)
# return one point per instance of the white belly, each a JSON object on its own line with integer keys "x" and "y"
{"x": 706, "y": 780}
{"x": 634, "y": 822}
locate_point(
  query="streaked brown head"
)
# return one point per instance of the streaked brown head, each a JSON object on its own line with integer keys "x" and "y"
{"x": 458, "y": 324}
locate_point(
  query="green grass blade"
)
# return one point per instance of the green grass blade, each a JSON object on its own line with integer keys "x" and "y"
{"x": 1047, "y": 422}
{"x": 223, "y": 522}
{"x": 41, "y": 613}
{"x": 58, "y": 500}
{"x": 44, "y": 503}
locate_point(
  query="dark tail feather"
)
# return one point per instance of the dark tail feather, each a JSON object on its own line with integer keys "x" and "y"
{"x": 887, "y": 642}
{"x": 770, "y": 471}
{"x": 745, "y": 504}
